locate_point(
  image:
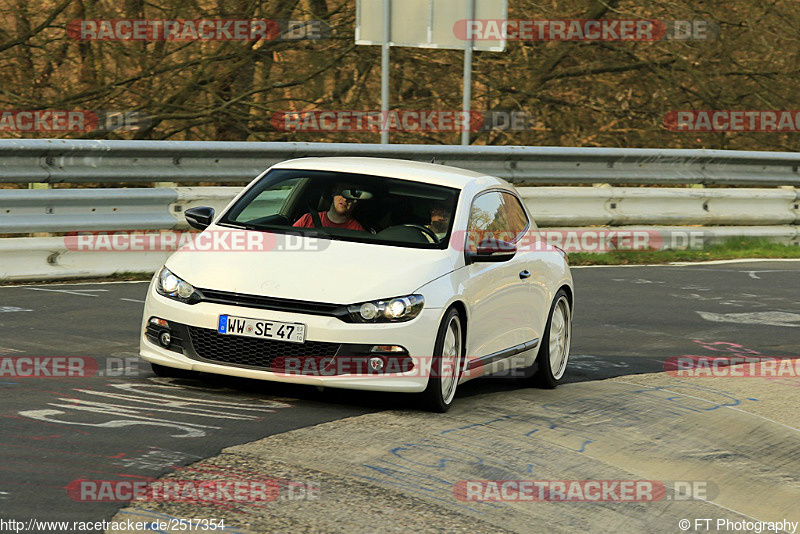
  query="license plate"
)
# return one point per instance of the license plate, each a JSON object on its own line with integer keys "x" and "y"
{"x": 242, "y": 326}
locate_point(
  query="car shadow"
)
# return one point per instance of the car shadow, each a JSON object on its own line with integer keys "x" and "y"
{"x": 371, "y": 400}
{"x": 581, "y": 368}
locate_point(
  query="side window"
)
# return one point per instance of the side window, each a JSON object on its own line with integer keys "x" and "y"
{"x": 496, "y": 215}
{"x": 268, "y": 202}
{"x": 515, "y": 219}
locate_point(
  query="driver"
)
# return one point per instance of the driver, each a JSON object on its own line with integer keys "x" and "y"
{"x": 340, "y": 215}
{"x": 440, "y": 219}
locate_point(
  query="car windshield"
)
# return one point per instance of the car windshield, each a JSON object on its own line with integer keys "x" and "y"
{"x": 349, "y": 207}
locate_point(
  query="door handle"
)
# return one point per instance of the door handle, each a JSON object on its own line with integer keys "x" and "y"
{"x": 524, "y": 274}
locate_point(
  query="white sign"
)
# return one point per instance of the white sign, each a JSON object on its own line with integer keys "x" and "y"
{"x": 426, "y": 23}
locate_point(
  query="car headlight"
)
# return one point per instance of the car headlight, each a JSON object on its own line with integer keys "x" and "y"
{"x": 387, "y": 310}
{"x": 171, "y": 286}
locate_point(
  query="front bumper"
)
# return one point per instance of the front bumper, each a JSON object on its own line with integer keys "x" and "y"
{"x": 195, "y": 346}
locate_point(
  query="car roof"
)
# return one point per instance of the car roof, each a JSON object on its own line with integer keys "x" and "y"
{"x": 402, "y": 169}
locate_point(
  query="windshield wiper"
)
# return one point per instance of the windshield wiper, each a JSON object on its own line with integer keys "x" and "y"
{"x": 251, "y": 226}
{"x": 230, "y": 225}
{"x": 322, "y": 231}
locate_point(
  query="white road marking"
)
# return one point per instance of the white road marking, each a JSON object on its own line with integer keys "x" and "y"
{"x": 740, "y": 260}
{"x": 12, "y": 309}
{"x": 59, "y": 284}
{"x": 751, "y": 274}
{"x": 133, "y": 404}
{"x": 773, "y": 318}
{"x": 686, "y": 263}
{"x": 80, "y": 292}
{"x": 587, "y": 362}
{"x": 712, "y": 270}
{"x": 132, "y": 300}
{"x": 157, "y": 459}
{"x": 719, "y": 300}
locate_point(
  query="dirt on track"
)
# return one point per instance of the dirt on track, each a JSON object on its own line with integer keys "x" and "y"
{"x": 734, "y": 440}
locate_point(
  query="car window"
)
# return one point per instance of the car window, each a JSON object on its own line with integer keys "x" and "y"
{"x": 497, "y": 215}
{"x": 268, "y": 202}
{"x": 348, "y": 206}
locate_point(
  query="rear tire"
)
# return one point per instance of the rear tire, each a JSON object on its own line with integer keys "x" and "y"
{"x": 446, "y": 365}
{"x": 551, "y": 361}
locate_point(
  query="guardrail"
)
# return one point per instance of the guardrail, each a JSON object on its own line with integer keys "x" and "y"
{"x": 616, "y": 206}
{"x": 54, "y": 210}
{"x": 773, "y": 213}
{"x": 63, "y": 210}
{"x": 60, "y": 161}
{"x": 54, "y": 258}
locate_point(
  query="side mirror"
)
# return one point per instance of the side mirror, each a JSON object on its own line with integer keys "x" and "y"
{"x": 492, "y": 249}
{"x": 200, "y": 217}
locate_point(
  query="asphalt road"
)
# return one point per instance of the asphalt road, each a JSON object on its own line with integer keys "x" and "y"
{"x": 125, "y": 423}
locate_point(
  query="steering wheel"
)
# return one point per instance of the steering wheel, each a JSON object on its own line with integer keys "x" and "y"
{"x": 430, "y": 234}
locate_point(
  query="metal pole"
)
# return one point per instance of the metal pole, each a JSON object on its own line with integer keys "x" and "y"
{"x": 466, "y": 102}
{"x": 387, "y": 34}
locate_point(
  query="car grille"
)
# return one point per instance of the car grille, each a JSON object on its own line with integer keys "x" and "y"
{"x": 267, "y": 354}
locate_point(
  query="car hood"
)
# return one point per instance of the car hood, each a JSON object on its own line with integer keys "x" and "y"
{"x": 338, "y": 272}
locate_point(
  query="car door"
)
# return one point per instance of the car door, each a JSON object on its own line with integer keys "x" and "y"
{"x": 502, "y": 314}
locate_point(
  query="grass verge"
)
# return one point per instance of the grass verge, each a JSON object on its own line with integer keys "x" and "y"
{"x": 731, "y": 249}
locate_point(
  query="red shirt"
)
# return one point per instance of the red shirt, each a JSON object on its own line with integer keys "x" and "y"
{"x": 306, "y": 222}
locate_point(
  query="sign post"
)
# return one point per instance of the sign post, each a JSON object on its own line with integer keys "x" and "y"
{"x": 387, "y": 39}
{"x": 426, "y": 24}
{"x": 466, "y": 103}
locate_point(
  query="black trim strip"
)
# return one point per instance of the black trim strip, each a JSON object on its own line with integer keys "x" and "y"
{"x": 502, "y": 354}
{"x": 270, "y": 303}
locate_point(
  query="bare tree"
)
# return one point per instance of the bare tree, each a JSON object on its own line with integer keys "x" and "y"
{"x": 581, "y": 93}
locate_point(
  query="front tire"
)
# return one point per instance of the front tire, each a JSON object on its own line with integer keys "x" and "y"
{"x": 553, "y": 353}
{"x": 448, "y": 357}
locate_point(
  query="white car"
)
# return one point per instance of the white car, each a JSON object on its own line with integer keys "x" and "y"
{"x": 364, "y": 273}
